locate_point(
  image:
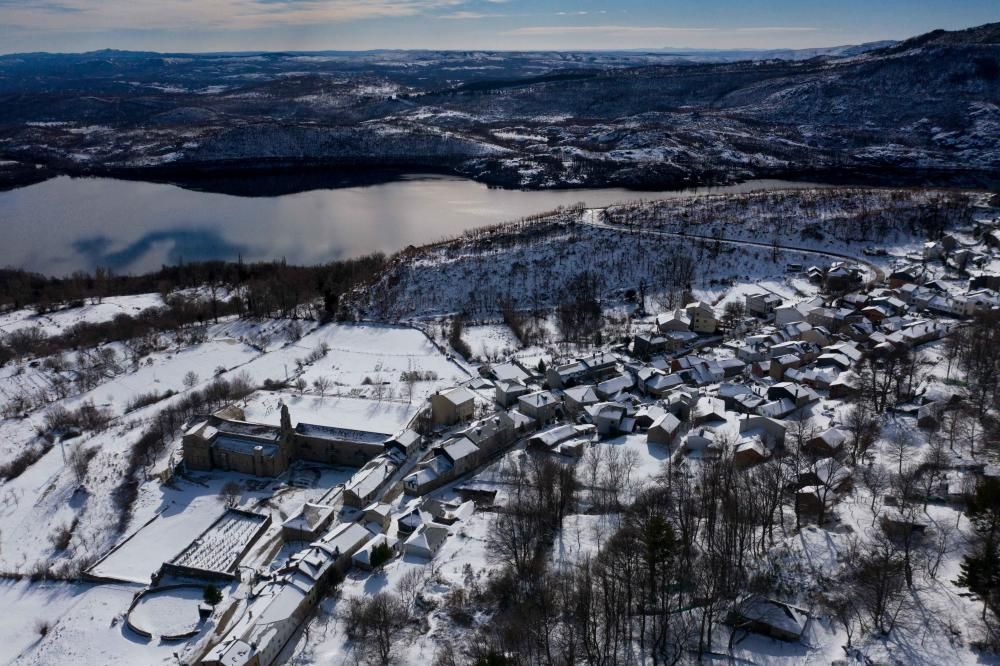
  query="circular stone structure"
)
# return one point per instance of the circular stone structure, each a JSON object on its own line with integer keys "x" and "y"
{"x": 167, "y": 612}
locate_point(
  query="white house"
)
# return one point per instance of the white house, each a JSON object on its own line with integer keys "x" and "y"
{"x": 703, "y": 319}
{"x": 426, "y": 541}
{"x": 454, "y": 405}
{"x": 664, "y": 430}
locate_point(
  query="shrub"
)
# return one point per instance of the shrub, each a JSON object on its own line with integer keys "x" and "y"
{"x": 231, "y": 493}
{"x": 22, "y": 461}
{"x": 212, "y": 595}
{"x": 381, "y": 554}
{"x": 455, "y": 338}
{"x": 62, "y": 536}
{"x": 146, "y": 399}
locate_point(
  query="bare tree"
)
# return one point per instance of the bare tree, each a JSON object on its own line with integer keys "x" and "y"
{"x": 379, "y": 388}
{"x": 932, "y": 468}
{"x": 592, "y": 466}
{"x": 878, "y": 582}
{"x": 410, "y": 584}
{"x": 863, "y": 428}
{"x": 409, "y": 378}
{"x": 971, "y": 430}
{"x": 876, "y": 480}
{"x": 515, "y": 536}
{"x": 900, "y": 443}
{"x": 375, "y": 623}
{"x": 941, "y": 543}
{"x": 231, "y": 493}
{"x": 322, "y": 384}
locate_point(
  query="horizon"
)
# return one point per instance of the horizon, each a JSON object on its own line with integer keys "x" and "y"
{"x": 664, "y": 50}
{"x": 267, "y": 26}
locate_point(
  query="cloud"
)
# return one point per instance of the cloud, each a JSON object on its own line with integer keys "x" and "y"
{"x": 467, "y": 15}
{"x": 777, "y": 28}
{"x": 626, "y": 30}
{"x": 97, "y": 15}
{"x": 601, "y": 29}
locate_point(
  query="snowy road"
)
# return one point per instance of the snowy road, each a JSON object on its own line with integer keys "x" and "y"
{"x": 879, "y": 275}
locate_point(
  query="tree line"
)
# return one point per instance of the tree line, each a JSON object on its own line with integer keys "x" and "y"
{"x": 271, "y": 286}
{"x": 251, "y": 290}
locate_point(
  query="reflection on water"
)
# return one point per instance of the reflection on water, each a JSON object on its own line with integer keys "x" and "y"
{"x": 182, "y": 245}
{"x": 66, "y": 224}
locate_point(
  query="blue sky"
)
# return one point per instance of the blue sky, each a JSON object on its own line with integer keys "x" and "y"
{"x": 217, "y": 25}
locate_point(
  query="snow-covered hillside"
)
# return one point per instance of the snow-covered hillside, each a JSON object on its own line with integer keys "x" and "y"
{"x": 694, "y": 243}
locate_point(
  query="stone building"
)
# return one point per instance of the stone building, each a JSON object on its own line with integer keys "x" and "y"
{"x": 226, "y": 441}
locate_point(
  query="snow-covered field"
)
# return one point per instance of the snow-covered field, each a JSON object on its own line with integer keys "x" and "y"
{"x": 491, "y": 341}
{"x": 138, "y": 558}
{"x": 367, "y": 354}
{"x": 84, "y": 625}
{"x": 54, "y": 323}
{"x": 172, "y": 612}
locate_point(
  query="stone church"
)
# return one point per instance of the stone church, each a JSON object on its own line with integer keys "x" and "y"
{"x": 225, "y": 440}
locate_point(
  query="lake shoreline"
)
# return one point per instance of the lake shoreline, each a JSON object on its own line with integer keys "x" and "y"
{"x": 68, "y": 224}
{"x": 263, "y": 179}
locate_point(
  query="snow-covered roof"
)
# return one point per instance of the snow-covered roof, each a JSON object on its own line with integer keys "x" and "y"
{"x": 582, "y": 394}
{"x": 616, "y": 384}
{"x": 668, "y": 423}
{"x": 368, "y": 478}
{"x": 511, "y": 385}
{"x": 427, "y": 536}
{"x": 245, "y": 446}
{"x": 555, "y": 435}
{"x": 457, "y": 395}
{"x": 784, "y": 617}
{"x": 341, "y": 434}
{"x": 832, "y": 437}
{"x": 345, "y": 538}
{"x": 752, "y": 443}
{"x": 663, "y": 382}
{"x": 308, "y": 516}
{"x": 707, "y": 408}
{"x": 539, "y": 399}
{"x": 459, "y": 447}
{"x": 606, "y": 410}
{"x": 776, "y": 408}
{"x": 509, "y": 371}
{"x": 260, "y": 431}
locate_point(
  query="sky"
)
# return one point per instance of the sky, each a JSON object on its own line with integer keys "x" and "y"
{"x": 272, "y": 25}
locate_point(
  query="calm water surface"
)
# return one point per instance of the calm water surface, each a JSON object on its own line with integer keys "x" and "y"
{"x": 68, "y": 224}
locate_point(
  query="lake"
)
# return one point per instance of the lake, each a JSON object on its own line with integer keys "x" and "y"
{"x": 68, "y": 224}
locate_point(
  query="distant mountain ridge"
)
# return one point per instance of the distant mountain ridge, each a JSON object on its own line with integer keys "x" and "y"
{"x": 988, "y": 33}
{"x": 744, "y": 54}
{"x": 926, "y": 109}
{"x": 782, "y": 54}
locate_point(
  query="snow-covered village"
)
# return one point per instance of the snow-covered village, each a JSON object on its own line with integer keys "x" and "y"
{"x": 773, "y": 448}
{"x": 499, "y": 333}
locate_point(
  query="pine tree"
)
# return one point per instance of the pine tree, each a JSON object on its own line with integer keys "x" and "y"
{"x": 212, "y": 595}
{"x": 380, "y": 555}
{"x": 981, "y": 567}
